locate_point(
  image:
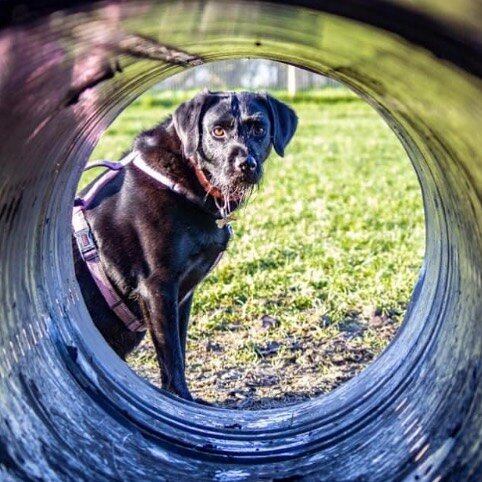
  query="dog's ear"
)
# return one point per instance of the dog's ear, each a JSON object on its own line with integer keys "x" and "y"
{"x": 187, "y": 122}
{"x": 283, "y": 124}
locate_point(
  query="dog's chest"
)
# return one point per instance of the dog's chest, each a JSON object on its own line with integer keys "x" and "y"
{"x": 203, "y": 258}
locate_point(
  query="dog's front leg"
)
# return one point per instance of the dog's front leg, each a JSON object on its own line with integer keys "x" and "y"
{"x": 159, "y": 300}
{"x": 184, "y": 314}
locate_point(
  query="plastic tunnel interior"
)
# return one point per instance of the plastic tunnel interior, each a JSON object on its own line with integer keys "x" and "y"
{"x": 70, "y": 410}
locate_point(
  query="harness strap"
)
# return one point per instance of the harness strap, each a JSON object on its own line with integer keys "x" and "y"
{"x": 88, "y": 248}
{"x": 90, "y": 254}
{"x": 114, "y": 168}
{"x": 165, "y": 181}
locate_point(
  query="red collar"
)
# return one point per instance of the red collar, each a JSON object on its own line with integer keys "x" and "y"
{"x": 210, "y": 188}
{"x": 206, "y": 185}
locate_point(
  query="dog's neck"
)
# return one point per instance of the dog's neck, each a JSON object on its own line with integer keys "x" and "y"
{"x": 204, "y": 182}
{"x": 161, "y": 150}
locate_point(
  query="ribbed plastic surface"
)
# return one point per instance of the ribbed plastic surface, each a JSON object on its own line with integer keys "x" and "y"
{"x": 71, "y": 411}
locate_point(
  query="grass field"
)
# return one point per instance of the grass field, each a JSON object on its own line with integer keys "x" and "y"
{"x": 321, "y": 266}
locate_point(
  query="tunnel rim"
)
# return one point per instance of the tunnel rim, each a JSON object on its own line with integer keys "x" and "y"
{"x": 67, "y": 355}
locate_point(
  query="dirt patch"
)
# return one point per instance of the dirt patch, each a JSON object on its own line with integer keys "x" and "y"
{"x": 283, "y": 370}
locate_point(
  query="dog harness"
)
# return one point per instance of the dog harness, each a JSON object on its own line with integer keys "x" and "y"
{"x": 85, "y": 238}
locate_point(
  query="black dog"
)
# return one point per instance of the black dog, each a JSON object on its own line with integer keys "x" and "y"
{"x": 156, "y": 243}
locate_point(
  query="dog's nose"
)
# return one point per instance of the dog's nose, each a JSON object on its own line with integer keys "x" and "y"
{"x": 247, "y": 164}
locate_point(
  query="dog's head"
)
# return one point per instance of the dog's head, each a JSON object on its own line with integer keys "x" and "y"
{"x": 230, "y": 135}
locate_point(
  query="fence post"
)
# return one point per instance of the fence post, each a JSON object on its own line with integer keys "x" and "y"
{"x": 291, "y": 80}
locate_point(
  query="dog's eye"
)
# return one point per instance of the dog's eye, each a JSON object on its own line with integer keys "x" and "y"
{"x": 258, "y": 130}
{"x": 219, "y": 131}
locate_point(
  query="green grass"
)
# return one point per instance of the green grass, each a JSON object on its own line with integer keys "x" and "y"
{"x": 334, "y": 236}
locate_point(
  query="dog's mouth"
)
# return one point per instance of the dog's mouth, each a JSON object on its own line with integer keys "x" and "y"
{"x": 235, "y": 187}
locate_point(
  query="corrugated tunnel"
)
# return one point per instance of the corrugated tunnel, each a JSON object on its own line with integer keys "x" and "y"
{"x": 70, "y": 410}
